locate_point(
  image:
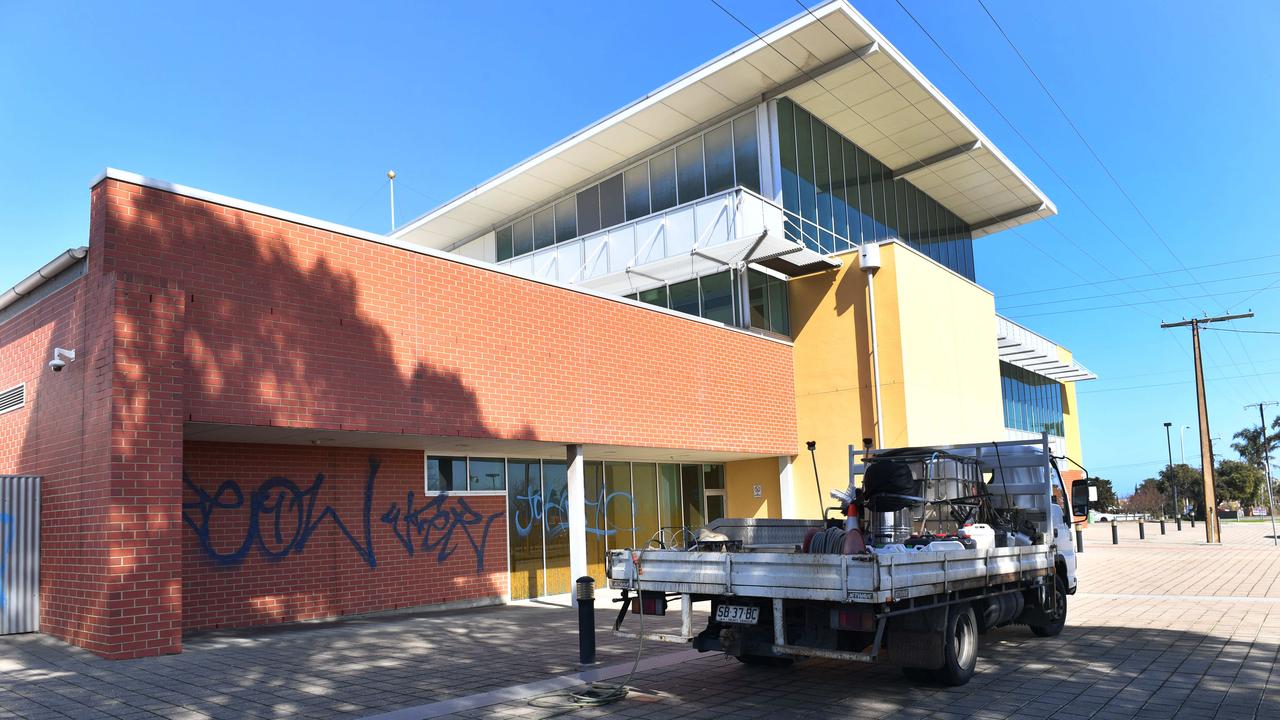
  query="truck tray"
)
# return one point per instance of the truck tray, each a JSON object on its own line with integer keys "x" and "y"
{"x": 863, "y": 578}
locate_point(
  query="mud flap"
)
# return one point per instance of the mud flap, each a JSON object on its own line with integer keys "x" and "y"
{"x": 916, "y": 640}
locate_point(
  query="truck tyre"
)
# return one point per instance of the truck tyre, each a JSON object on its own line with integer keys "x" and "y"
{"x": 1054, "y": 628}
{"x": 960, "y": 647}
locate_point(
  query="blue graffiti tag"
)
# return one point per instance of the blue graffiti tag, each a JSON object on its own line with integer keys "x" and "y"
{"x": 6, "y": 549}
{"x": 283, "y": 517}
{"x": 553, "y": 512}
{"x": 435, "y": 525}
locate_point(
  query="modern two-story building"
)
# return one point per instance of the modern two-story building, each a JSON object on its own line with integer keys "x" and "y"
{"x": 269, "y": 417}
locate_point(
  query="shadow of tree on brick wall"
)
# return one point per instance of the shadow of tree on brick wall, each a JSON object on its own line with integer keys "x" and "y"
{"x": 224, "y": 317}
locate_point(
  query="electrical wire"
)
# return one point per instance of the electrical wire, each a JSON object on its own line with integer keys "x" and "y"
{"x": 1247, "y": 332}
{"x": 1130, "y": 292}
{"x": 1139, "y": 276}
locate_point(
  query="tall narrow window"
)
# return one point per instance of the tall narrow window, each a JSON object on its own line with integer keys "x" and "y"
{"x": 619, "y": 505}
{"x": 718, "y": 151}
{"x": 670, "y": 504}
{"x": 612, "y": 207}
{"x": 544, "y": 228}
{"x": 689, "y": 171}
{"x": 589, "y": 210}
{"x": 717, "y": 297}
{"x": 524, "y": 504}
{"x": 789, "y": 166}
{"x": 555, "y": 525}
{"x": 503, "y": 238}
{"x": 662, "y": 180}
{"x": 691, "y": 496}
{"x": 644, "y": 483}
{"x": 522, "y": 235}
{"x": 566, "y": 220}
{"x": 746, "y": 152}
{"x": 637, "y": 187}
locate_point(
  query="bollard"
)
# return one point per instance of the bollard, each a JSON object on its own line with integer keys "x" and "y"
{"x": 1142, "y": 530}
{"x": 1115, "y": 533}
{"x": 1177, "y": 523}
{"x": 586, "y": 620}
{"x": 1161, "y": 526}
{"x": 1079, "y": 541}
{"x": 1193, "y": 522}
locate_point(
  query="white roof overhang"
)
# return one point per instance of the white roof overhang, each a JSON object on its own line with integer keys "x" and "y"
{"x": 850, "y": 77}
{"x": 1021, "y": 347}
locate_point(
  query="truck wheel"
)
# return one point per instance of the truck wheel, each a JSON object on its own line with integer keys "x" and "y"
{"x": 961, "y": 647}
{"x": 1054, "y": 628}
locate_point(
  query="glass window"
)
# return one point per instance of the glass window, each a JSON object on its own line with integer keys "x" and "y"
{"x": 446, "y": 474}
{"x": 717, "y": 297}
{"x": 611, "y": 202}
{"x": 713, "y": 477}
{"x": 555, "y": 525}
{"x": 637, "y": 184}
{"x": 684, "y": 297}
{"x": 544, "y": 228}
{"x": 839, "y": 215}
{"x": 619, "y": 506}
{"x": 822, "y": 176}
{"x": 715, "y": 506}
{"x": 566, "y": 220}
{"x": 524, "y": 525}
{"x": 758, "y": 297}
{"x": 503, "y": 237}
{"x": 488, "y": 474}
{"x": 779, "y": 313}
{"x": 746, "y": 152}
{"x": 669, "y": 504}
{"x": 859, "y": 225}
{"x": 789, "y": 166}
{"x": 689, "y": 177}
{"x": 597, "y": 523}
{"x": 662, "y": 180}
{"x": 644, "y": 485}
{"x": 717, "y": 147}
{"x": 589, "y": 210}
{"x": 691, "y": 496}
{"x": 522, "y": 235}
{"x": 805, "y": 171}
{"x": 654, "y": 296}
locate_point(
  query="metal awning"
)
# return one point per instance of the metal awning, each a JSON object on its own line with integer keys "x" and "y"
{"x": 849, "y": 76}
{"x": 1036, "y": 353}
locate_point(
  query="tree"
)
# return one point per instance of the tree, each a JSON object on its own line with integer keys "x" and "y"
{"x": 1254, "y": 444}
{"x": 1189, "y": 483}
{"x": 1107, "y": 500}
{"x": 1146, "y": 498}
{"x": 1239, "y": 482}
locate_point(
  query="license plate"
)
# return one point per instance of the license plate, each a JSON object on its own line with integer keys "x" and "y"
{"x": 740, "y": 614}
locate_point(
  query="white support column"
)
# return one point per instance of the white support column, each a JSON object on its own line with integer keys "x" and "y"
{"x": 786, "y": 486}
{"x": 577, "y": 515}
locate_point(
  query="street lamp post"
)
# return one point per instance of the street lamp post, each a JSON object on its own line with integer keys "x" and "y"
{"x": 1173, "y": 480}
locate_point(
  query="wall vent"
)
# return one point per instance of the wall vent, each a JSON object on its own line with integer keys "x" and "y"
{"x": 13, "y": 398}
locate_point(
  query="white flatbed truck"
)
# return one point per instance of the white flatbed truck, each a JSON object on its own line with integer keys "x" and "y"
{"x": 777, "y": 593}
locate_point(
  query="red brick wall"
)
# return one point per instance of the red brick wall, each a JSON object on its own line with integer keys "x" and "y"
{"x": 291, "y": 325}
{"x": 237, "y": 573}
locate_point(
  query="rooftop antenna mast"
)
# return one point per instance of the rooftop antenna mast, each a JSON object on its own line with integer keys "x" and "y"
{"x": 391, "y": 180}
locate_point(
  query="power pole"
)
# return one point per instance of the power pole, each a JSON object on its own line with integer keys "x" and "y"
{"x": 1211, "y": 530}
{"x": 1266, "y": 463}
{"x": 1173, "y": 480}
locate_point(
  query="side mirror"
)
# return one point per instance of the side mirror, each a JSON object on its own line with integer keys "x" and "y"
{"x": 1083, "y": 492}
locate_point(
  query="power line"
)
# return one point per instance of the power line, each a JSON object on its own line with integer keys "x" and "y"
{"x": 1140, "y": 276}
{"x": 1249, "y": 332}
{"x": 1097, "y": 158}
{"x": 1170, "y": 384}
{"x": 1144, "y": 302}
{"x": 1130, "y": 292}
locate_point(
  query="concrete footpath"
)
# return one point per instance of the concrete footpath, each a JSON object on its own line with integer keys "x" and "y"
{"x": 1162, "y": 628}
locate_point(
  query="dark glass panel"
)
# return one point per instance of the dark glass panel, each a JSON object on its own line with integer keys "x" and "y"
{"x": 589, "y": 210}
{"x": 839, "y": 210}
{"x": 859, "y": 225}
{"x": 758, "y": 297}
{"x": 669, "y": 504}
{"x": 689, "y": 171}
{"x": 446, "y": 474}
{"x": 822, "y": 179}
{"x": 717, "y": 147}
{"x": 654, "y": 296}
{"x": 713, "y": 477}
{"x": 715, "y": 506}
{"x": 503, "y": 237}
{"x": 717, "y": 297}
{"x": 597, "y": 522}
{"x": 566, "y": 220}
{"x": 807, "y": 174}
{"x": 612, "y": 207}
{"x": 779, "y": 313}
{"x": 544, "y": 228}
{"x": 788, "y": 164}
{"x": 746, "y": 152}
{"x": 637, "y": 186}
{"x": 662, "y": 180}
{"x": 488, "y": 474}
{"x": 525, "y": 528}
{"x": 684, "y": 297}
{"x": 522, "y": 236}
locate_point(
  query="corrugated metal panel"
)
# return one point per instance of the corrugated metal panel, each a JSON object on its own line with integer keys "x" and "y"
{"x": 19, "y": 554}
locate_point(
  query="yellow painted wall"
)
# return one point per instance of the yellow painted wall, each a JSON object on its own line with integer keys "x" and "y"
{"x": 1070, "y": 417}
{"x": 939, "y": 368}
{"x": 740, "y": 479}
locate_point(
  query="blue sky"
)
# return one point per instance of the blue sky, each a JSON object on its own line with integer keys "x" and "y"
{"x": 305, "y": 106}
